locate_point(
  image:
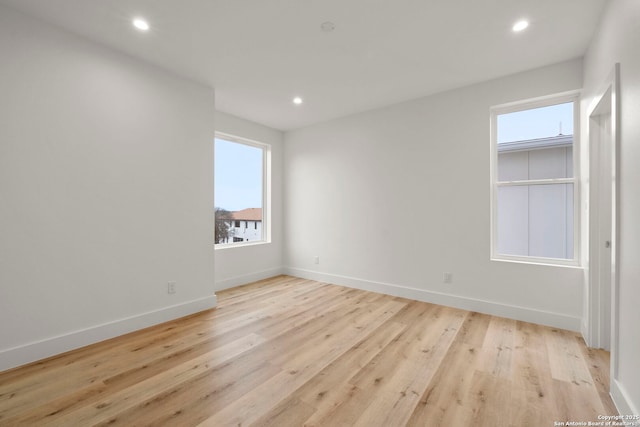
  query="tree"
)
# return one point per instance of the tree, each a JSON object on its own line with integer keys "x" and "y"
{"x": 222, "y": 233}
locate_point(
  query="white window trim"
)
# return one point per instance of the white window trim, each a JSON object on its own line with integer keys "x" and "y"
{"x": 266, "y": 190}
{"x": 572, "y": 96}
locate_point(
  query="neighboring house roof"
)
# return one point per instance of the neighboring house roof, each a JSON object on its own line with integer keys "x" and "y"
{"x": 530, "y": 144}
{"x": 249, "y": 214}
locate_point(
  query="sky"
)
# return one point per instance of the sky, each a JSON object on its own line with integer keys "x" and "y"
{"x": 238, "y": 176}
{"x": 535, "y": 123}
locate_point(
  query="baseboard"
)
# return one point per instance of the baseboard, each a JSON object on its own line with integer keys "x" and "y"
{"x": 18, "y": 356}
{"x": 248, "y": 278}
{"x": 488, "y": 307}
{"x": 621, "y": 399}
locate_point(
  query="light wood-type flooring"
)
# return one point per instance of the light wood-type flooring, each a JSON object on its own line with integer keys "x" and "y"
{"x": 292, "y": 352}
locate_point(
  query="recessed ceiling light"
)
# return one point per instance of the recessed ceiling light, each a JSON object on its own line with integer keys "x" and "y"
{"x": 520, "y": 25}
{"x": 141, "y": 24}
{"x": 297, "y": 100}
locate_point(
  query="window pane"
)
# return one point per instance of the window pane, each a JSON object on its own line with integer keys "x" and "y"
{"x": 540, "y": 163}
{"x": 238, "y": 192}
{"x": 536, "y": 123}
{"x": 513, "y": 166}
{"x": 513, "y": 220}
{"x": 547, "y": 163}
{"x": 536, "y": 220}
{"x": 551, "y": 221}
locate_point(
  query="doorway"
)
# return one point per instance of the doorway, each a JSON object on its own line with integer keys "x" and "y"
{"x": 603, "y": 199}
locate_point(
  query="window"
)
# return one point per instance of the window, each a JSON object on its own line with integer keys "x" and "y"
{"x": 241, "y": 170}
{"x": 534, "y": 189}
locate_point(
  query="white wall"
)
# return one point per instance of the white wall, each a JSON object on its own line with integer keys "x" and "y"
{"x": 238, "y": 265}
{"x": 106, "y": 192}
{"x": 391, "y": 199}
{"x": 618, "y": 40}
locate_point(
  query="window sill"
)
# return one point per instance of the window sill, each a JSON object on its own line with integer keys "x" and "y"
{"x": 545, "y": 262}
{"x": 222, "y": 246}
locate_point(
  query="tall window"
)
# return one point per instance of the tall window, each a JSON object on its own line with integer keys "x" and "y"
{"x": 533, "y": 181}
{"x": 241, "y": 190}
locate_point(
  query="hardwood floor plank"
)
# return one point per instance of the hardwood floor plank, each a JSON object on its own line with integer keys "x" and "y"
{"x": 372, "y": 379}
{"x": 28, "y": 389}
{"x": 598, "y": 361}
{"x": 287, "y": 351}
{"x": 565, "y": 357}
{"x": 395, "y": 402}
{"x": 576, "y": 402}
{"x": 291, "y": 412}
{"x": 330, "y": 387}
{"x": 487, "y": 402}
{"x": 357, "y": 319}
{"x": 448, "y": 388}
{"x": 497, "y": 348}
{"x": 108, "y": 406}
{"x": 532, "y": 399}
{"x": 196, "y": 400}
{"x": 302, "y": 366}
{"x": 320, "y": 389}
{"x": 384, "y": 365}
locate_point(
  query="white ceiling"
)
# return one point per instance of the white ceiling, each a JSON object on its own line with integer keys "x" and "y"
{"x": 259, "y": 54}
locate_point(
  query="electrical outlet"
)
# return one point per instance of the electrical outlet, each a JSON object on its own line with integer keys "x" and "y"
{"x": 316, "y": 259}
{"x": 447, "y": 277}
{"x": 171, "y": 287}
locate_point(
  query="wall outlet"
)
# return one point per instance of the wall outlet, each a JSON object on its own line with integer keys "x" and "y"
{"x": 171, "y": 287}
{"x": 316, "y": 259}
{"x": 447, "y": 277}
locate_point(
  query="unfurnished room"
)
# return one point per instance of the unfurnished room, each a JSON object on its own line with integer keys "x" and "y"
{"x": 319, "y": 213}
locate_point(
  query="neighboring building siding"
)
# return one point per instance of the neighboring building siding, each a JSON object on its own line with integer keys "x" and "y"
{"x": 540, "y": 219}
{"x": 249, "y": 231}
{"x": 245, "y": 226}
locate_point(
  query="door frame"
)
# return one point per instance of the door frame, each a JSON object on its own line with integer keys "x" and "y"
{"x": 608, "y": 95}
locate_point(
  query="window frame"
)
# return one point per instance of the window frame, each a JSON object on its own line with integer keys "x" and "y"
{"x": 545, "y": 101}
{"x": 266, "y": 189}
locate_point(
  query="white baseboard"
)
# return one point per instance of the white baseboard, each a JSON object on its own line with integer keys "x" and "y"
{"x": 621, "y": 399}
{"x": 248, "y": 278}
{"x": 525, "y": 314}
{"x": 18, "y": 356}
